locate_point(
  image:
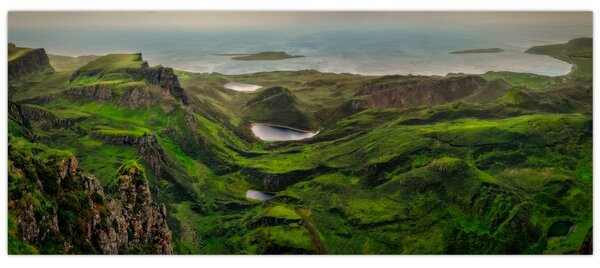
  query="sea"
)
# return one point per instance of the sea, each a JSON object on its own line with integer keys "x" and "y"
{"x": 367, "y": 51}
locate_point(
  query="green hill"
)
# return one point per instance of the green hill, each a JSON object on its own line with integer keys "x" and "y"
{"x": 278, "y": 105}
{"x": 499, "y": 163}
{"x": 577, "y": 52}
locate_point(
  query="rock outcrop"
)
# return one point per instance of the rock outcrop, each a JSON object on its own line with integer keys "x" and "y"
{"x": 97, "y": 92}
{"x": 146, "y": 145}
{"x": 57, "y": 208}
{"x": 166, "y": 78}
{"x": 132, "y": 65}
{"x": 415, "y": 92}
{"x": 16, "y": 113}
{"x": 29, "y": 61}
{"x": 35, "y": 113}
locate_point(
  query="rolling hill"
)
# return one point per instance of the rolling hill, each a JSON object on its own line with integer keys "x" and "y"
{"x": 497, "y": 163}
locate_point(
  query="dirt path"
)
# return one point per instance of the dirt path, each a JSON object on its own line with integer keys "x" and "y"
{"x": 304, "y": 213}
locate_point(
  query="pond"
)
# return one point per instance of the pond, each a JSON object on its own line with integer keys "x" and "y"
{"x": 258, "y": 195}
{"x": 267, "y": 132}
{"x": 559, "y": 228}
{"x": 241, "y": 86}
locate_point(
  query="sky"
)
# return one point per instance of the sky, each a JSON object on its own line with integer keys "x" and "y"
{"x": 262, "y": 19}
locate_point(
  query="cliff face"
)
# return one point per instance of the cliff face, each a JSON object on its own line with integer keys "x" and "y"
{"x": 165, "y": 77}
{"x": 56, "y": 208}
{"x": 19, "y": 116}
{"x": 96, "y": 92}
{"x": 147, "y": 146}
{"x": 414, "y": 92}
{"x": 28, "y": 62}
{"x": 34, "y": 113}
{"x": 131, "y": 66}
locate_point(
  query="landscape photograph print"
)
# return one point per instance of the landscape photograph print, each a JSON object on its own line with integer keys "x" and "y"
{"x": 300, "y": 132}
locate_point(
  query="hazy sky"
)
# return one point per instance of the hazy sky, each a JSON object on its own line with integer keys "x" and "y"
{"x": 248, "y": 19}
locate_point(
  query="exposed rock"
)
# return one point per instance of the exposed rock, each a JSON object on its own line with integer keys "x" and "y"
{"x": 96, "y": 92}
{"x": 165, "y": 77}
{"x": 16, "y": 113}
{"x": 34, "y": 113}
{"x": 191, "y": 120}
{"x": 136, "y": 98}
{"x": 147, "y": 221}
{"x": 146, "y": 145}
{"x": 83, "y": 219}
{"x": 415, "y": 92}
{"x": 31, "y": 61}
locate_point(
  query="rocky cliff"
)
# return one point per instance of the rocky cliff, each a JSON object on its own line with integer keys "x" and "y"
{"x": 19, "y": 117}
{"x": 117, "y": 68}
{"x": 24, "y": 61}
{"x": 415, "y": 92}
{"x": 165, "y": 77}
{"x": 56, "y": 208}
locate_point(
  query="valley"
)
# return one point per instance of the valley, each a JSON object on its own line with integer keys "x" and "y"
{"x": 297, "y": 162}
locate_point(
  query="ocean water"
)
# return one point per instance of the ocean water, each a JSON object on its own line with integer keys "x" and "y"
{"x": 371, "y": 51}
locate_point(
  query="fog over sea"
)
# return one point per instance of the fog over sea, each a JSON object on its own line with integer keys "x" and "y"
{"x": 371, "y": 50}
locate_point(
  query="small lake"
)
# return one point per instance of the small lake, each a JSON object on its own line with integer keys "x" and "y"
{"x": 560, "y": 228}
{"x": 241, "y": 86}
{"x": 258, "y": 195}
{"x": 268, "y": 132}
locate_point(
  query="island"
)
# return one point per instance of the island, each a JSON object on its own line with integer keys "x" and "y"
{"x": 478, "y": 50}
{"x": 265, "y": 55}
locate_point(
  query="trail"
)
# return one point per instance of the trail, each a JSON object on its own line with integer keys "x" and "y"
{"x": 312, "y": 230}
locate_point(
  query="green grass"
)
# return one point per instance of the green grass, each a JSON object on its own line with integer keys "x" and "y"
{"x": 528, "y": 80}
{"x": 459, "y": 178}
{"x": 577, "y": 52}
{"x": 294, "y": 237}
{"x": 17, "y": 52}
{"x": 280, "y": 212}
{"x": 66, "y": 63}
{"x": 114, "y": 62}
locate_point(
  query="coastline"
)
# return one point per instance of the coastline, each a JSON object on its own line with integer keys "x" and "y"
{"x": 189, "y": 69}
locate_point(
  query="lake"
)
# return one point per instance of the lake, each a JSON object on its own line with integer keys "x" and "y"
{"x": 241, "y": 86}
{"x": 268, "y": 132}
{"x": 258, "y": 195}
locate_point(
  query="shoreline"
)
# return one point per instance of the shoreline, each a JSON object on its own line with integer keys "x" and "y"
{"x": 572, "y": 69}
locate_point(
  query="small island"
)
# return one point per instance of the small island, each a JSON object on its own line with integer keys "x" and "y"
{"x": 478, "y": 50}
{"x": 266, "y": 55}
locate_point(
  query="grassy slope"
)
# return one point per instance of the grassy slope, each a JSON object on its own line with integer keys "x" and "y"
{"x": 537, "y": 165}
{"x": 66, "y": 63}
{"x": 114, "y": 62}
{"x": 17, "y": 52}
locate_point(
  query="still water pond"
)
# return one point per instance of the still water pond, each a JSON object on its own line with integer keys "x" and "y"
{"x": 258, "y": 195}
{"x": 268, "y": 132}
